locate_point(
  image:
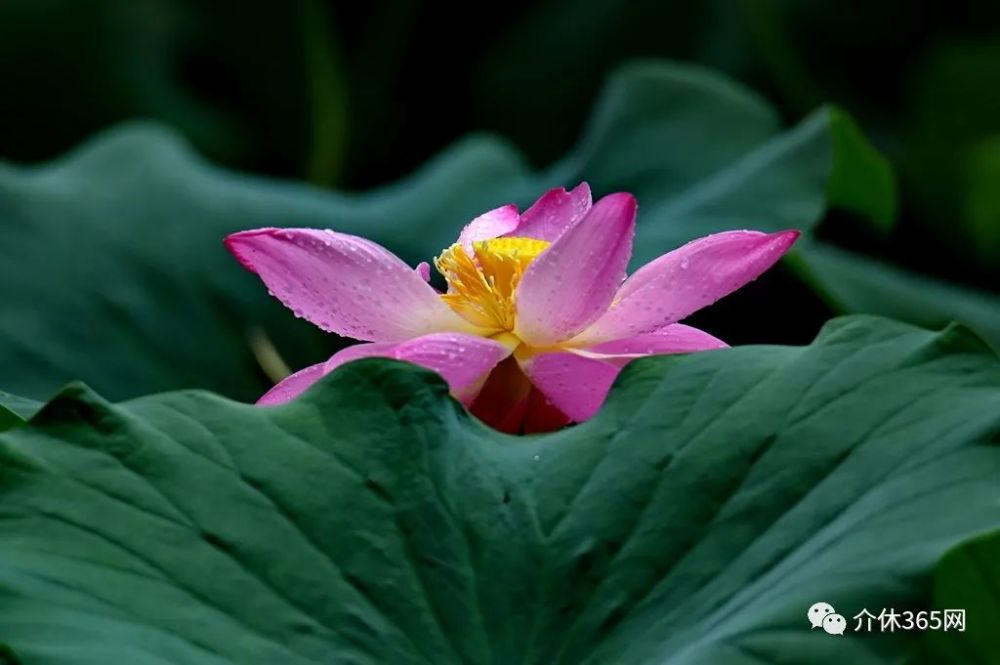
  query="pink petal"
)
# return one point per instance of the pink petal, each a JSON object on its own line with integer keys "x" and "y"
{"x": 489, "y": 225}
{"x": 424, "y": 270}
{"x": 677, "y": 284}
{"x": 675, "y": 338}
{"x": 291, "y": 387}
{"x": 556, "y": 211}
{"x": 572, "y": 283}
{"x": 463, "y": 361}
{"x": 577, "y": 382}
{"x": 345, "y": 284}
{"x": 574, "y": 384}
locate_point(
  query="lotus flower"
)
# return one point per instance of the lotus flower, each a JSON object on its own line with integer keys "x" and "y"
{"x": 538, "y": 317}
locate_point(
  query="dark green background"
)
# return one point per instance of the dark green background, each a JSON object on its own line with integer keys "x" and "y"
{"x": 359, "y": 94}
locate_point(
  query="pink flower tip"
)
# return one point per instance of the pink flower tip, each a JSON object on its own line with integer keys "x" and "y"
{"x": 237, "y": 245}
{"x": 624, "y": 199}
{"x": 790, "y": 235}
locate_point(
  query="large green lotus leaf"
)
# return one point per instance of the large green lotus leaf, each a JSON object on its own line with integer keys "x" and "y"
{"x": 855, "y": 283}
{"x": 694, "y": 520}
{"x": 114, "y": 271}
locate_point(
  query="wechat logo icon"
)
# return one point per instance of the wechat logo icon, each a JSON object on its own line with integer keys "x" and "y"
{"x": 822, "y": 615}
{"x": 818, "y": 612}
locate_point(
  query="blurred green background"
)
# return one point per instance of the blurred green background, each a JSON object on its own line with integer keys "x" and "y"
{"x": 351, "y": 96}
{"x": 358, "y": 94}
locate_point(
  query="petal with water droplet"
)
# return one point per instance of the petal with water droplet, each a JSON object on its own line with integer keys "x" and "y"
{"x": 493, "y": 224}
{"x": 574, "y": 384}
{"x": 572, "y": 283}
{"x": 291, "y": 387}
{"x": 345, "y": 284}
{"x": 674, "y": 338}
{"x": 685, "y": 280}
{"x": 555, "y": 212}
{"x": 463, "y": 361}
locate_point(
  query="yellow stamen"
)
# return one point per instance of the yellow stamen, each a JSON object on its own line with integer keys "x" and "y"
{"x": 481, "y": 287}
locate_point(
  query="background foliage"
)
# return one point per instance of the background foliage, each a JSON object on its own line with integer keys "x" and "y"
{"x": 357, "y": 96}
{"x": 135, "y": 135}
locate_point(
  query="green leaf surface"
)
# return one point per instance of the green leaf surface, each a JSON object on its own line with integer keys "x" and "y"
{"x": 15, "y": 410}
{"x": 116, "y": 275}
{"x": 9, "y": 419}
{"x": 703, "y": 155}
{"x": 861, "y": 179}
{"x": 968, "y": 578}
{"x": 694, "y": 520}
{"x": 24, "y": 408}
{"x": 855, "y": 283}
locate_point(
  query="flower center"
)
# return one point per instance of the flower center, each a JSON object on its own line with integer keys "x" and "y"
{"x": 481, "y": 287}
